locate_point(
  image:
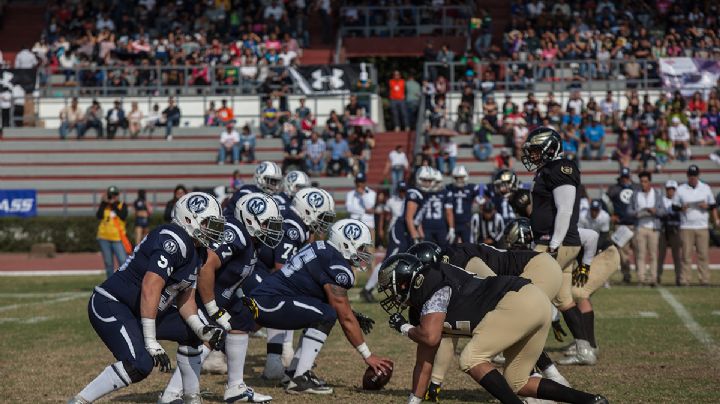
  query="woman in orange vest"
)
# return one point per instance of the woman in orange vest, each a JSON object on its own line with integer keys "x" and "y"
{"x": 111, "y": 231}
{"x": 397, "y": 102}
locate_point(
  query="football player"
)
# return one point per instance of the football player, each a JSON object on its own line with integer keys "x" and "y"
{"x": 256, "y": 221}
{"x": 310, "y": 215}
{"x": 436, "y": 217}
{"x": 310, "y": 291}
{"x": 490, "y": 224}
{"x": 268, "y": 179}
{"x": 462, "y": 196}
{"x": 554, "y": 218}
{"x": 293, "y": 182}
{"x": 129, "y": 310}
{"x": 513, "y": 201}
{"x": 405, "y": 233}
{"x": 446, "y": 300}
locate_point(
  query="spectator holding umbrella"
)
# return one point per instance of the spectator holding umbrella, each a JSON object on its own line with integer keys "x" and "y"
{"x": 111, "y": 230}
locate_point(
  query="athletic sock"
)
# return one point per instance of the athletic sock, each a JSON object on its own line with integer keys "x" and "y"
{"x": 573, "y": 319}
{"x": 275, "y": 339}
{"x": 188, "y": 362}
{"x": 114, "y": 377}
{"x": 589, "y": 323}
{"x": 236, "y": 346}
{"x": 175, "y": 385}
{"x": 550, "y": 390}
{"x": 373, "y": 280}
{"x": 496, "y": 385}
{"x": 287, "y": 347}
{"x": 312, "y": 343}
{"x": 544, "y": 361}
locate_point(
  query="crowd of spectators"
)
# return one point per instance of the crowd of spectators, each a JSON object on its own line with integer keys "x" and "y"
{"x": 225, "y": 42}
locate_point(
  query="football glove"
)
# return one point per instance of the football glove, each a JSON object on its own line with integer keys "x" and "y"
{"x": 396, "y": 321}
{"x": 250, "y": 304}
{"x": 451, "y": 235}
{"x": 553, "y": 252}
{"x": 558, "y": 331}
{"x": 417, "y": 240}
{"x": 222, "y": 318}
{"x": 580, "y": 275}
{"x": 366, "y": 323}
{"x": 160, "y": 358}
{"x": 211, "y": 334}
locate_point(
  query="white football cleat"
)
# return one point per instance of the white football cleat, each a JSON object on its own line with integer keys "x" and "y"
{"x": 78, "y": 400}
{"x": 261, "y": 333}
{"x": 274, "y": 369}
{"x": 170, "y": 397}
{"x": 533, "y": 400}
{"x": 241, "y": 393}
{"x": 585, "y": 355}
{"x": 499, "y": 359}
{"x": 215, "y": 363}
{"x": 192, "y": 399}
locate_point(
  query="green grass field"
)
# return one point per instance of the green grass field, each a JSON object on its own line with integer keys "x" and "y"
{"x": 49, "y": 351}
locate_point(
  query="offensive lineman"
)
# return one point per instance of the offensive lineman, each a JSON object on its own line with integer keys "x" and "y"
{"x": 268, "y": 179}
{"x": 128, "y": 310}
{"x": 554, "y": 218}
{"x": 293, "y": 182}
{"x": 446, "y": 300}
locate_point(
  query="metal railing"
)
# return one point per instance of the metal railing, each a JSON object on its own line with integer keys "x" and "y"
{"x": 403, "y": 21}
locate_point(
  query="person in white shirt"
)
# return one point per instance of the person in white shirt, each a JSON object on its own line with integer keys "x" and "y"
{"x": 680, "y": 138}
{"x": 609, "y": 109}
{"x": 360, "y": 204}
{"x": 670, "y": 234}
{"x": 397, "y": 166}
{"x": 646, "y": 206}
{"x": 395, "y": 205}
{"x": 597, "y": 219}
{"x": 25, "y": 59}
{"x": 229, "y": 141}
{"x": 274, "y": 11}
{"x": 695, "y": 201}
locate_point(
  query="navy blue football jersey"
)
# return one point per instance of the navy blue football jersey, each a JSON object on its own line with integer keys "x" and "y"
{"x": 229, "y": 210}
{"x": 295, "y": 235}
{"x": 238, "y": 257}
{"x": 433, "y": 212}
{"x": 283, "y": 201}
{"x": 167, "y": 251}
{"x": 307, "y": 272}
{"x": 414, "y": 195}
{"x": 462, "y": 199}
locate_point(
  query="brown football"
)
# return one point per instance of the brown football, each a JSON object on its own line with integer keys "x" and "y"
{"x": 373, "y": 381}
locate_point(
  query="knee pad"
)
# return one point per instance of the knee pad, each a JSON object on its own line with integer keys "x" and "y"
{"x": 325, "y": 327}
{"x": 138, "y": 369}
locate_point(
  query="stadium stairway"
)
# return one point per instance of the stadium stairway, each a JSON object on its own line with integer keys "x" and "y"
{"x": 385, "y": 142}
{"x": 70, "y": 176}
{"x": 23, "y": 25}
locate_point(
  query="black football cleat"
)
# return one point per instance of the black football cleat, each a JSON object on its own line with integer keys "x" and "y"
{"x": 599, "y": 400}
{"x": 433, "y": 393}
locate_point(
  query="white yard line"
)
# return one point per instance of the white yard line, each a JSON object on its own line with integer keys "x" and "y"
{"x": 648, "y": 314}
{"x": 20, "y": 295}
{"x": 54, "y": 272}
{"x": 695, "y": 329}
{"x": 716, "y": 313}
{"x": 44, "y": 302}
{"x": 30, "y": 320}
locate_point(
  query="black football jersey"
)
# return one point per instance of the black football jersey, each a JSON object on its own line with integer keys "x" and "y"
{"x": 502, "y": 262}
{"x": 520, "y": 200}
{"x": 472, "y": 297}
{"x": 552, "y": 175}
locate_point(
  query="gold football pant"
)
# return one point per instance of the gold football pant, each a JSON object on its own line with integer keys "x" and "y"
{"x": 566, "y": 257}
{"x": 603, "y": 266}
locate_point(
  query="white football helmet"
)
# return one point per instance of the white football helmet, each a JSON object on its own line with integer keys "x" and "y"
{"x": 424, "y": 178}
{"x": 294, "y": 181}
{"x": 268, "y": 177}
{"x": 261, "y": 216}
{"x": 438, "y": 181}
{"x": 460, "y": 175}
{"x": 200, "y": 215}
{"x": 352, "y": 238}
{"x": 316, "y": 207}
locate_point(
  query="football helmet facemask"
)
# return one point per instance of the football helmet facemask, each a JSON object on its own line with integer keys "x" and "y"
{"x": 460, "y": 176}
{"x": 268, "y": 177}
{"x": 316, "y": 207}
{"x": 294, "y": 181}
{"x": 352, "y": 238}
{"x": 505, "y": 181}
{"x": 261, "y": 216}
{"x": 199, "y": 214}
{"x": 542, "y": 146}
{"x": 518, "y": 235}
{"x": 396, "y": 278}
{"x": 425, "y": 178}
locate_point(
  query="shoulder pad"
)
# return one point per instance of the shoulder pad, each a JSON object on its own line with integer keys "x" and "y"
{"x": 171, "y": 242}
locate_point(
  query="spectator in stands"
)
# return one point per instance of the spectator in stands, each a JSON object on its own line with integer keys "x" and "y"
{"x": 570, "y": 142}
{"x": 25, "y": 59}
{"x": 663, "y": 149}
{"x": 609, "y": 109}
{"x": 519, "y": 134}
{"x": 302, "y": 111}
{"x": 315, "y": 152}
{"x": 229, "y": 142}
{"x": 339, "y": 154}
{"x": 413, "y": 95}
{"x": 269, "y": 125}
{"x": 680, "y": 138}
{"x": 490, "y": 111}
{"x": 5, "y": 105}
{"x": 236, "y": 181}
{"x": 447, "y": 156}
{"x": 646, "y": 206}
{"x": 439, "y": 113}
{"x": 211, "y": 115}
{"x": 333, "y": 125}
{"x": 248, "y": 140}
{"x": 171, "y": 117}
{"x": 115, "y": 119}
{"x": 504, "y": 160}
{"x": 482, "y": 140}
{"x": 625, "y": 148}
{"x": 595, "y": 141}
{"x": 178, "y": 193}
{"x": 71, "y": 117}
{"x": 398, "y": 106}
{"x": 464, "y": 121}
{"x": 695, "y": 201}
{"x": 93, "y": 119}
{"x": 134, "y": 120}
{"x": 294, "y": 156}
{"x": 225, "y": 114}
{"x": 670, "y": 233}
{"x": 153, "y": 120}
{"x": 397, "y": 166}
{"x": 143, "y": 211}
{"x": 644, "y": 153}
{"x": 111, "y": 231}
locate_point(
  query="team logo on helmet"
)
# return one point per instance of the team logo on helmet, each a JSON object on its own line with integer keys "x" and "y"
{"x": 261, "y": 168}
{"x": 170, "y": 246}
{"x": 419, "y": 281}
{"x": 228, "y": 236}
{"x": 198, "y": 203}
{"x": 315, "y": 199}
{"x": 352, "y": 231}
{"x": 256, "y": 206}
{"x": 293, "y": 176}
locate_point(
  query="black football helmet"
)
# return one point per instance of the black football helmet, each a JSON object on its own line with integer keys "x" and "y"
{"x": 505, "y": 181}
{"x": 426, "y": 251}
{"x": 542, "y": 146}
{"x": 518, "y": 235}
{"x": 396, "y": 278}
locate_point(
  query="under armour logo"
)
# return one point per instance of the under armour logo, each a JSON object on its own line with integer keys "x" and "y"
{"x": 335, "y": 80}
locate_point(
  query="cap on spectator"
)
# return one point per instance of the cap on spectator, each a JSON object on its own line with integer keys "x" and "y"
{"x": 675, "y": 120}
{"x": 671, "y": 184}
{"x": 595, "y": 204}
{"x": 402, "y": 186}
{"x": 360, "y": 177}
{"x": 113, "y": 190}
{"x": 625, "y": 172}
{"x": 693, "y": 171}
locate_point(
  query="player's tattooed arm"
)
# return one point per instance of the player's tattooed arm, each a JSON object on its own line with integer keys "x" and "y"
{"x": 338, "y": 291}
{"x": 338, "y": 300}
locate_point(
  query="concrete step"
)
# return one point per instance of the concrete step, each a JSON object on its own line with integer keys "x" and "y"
{"x": 179, "y": 132}
{"x": 122, "y": 145}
